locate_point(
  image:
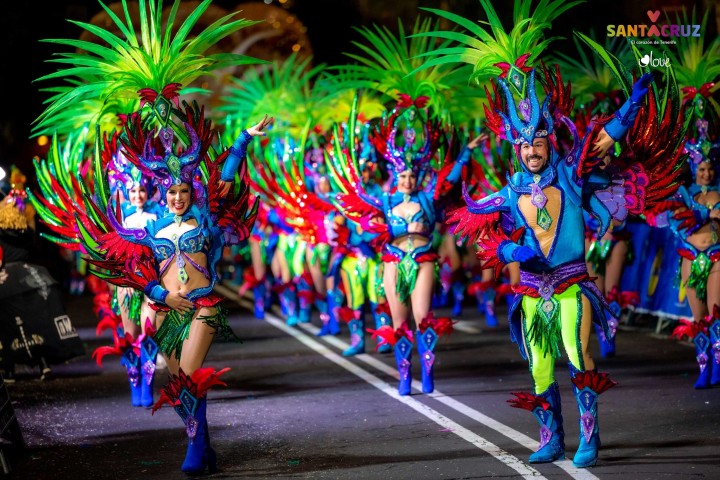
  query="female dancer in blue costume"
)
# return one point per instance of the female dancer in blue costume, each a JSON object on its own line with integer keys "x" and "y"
{"x": 135, "y": 312}
{"x": 186, "y": 245}
{"x": 695, "y": 221}
{"x": 359, "y": 267}
{"x": 173, "y": 259}
{"x": 405, "y": 218}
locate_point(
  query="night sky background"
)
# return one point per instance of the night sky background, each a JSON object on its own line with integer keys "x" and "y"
{"x": 329, "y": 26}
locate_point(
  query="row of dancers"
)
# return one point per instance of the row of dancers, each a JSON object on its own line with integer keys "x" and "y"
{"x": 358, "y": 180}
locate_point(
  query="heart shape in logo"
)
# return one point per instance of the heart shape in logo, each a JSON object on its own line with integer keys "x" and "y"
{"x": 653, "y": 15}
{"x": 645, "y": 61}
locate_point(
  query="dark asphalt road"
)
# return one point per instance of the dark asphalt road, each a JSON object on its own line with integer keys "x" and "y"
{"x": 295, "y": 408}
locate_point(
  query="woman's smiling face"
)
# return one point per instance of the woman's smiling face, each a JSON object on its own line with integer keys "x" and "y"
{"x": 178, "y": 198}
{"x": 138, "y": 196}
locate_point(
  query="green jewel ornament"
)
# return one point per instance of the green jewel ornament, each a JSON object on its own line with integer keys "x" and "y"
{"x": 407, "y": 276}
{"x": 699, "y": 273}
{"x": 517, "y": 80}
{"x": 173, "y": 164}
{"x": 544, "y": 220}
{"x": 547, "y": 309}
{"x": 182, "y": 275}
{"x": 162, "y": 109}
{"x": 177, "y": 219}
{"x": 544, "y": 330}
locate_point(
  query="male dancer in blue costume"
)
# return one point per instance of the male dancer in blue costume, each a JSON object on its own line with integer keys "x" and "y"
{"x": 543, "y": 208}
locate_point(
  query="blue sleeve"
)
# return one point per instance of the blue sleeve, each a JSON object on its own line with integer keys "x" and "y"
{"x": 506, "y": 251}
{"x": 461, "y": 161}
{"x": 155, "y": 292}
{"x": 238, "y": 151}
{"x": 623, "y": 120}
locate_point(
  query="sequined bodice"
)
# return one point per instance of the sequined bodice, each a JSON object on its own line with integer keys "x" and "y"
{"x": 190, "y": 241}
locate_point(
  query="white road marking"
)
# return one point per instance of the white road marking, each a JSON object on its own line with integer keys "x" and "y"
{"x": 511, "y": 461}
{"x": 466, "y": 326}
{"x": 512, "y": 434}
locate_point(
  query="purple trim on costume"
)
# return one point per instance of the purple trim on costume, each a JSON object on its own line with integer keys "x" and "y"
{"x": 428, "y": 359}
{"x": 137, "y": 233}
{"x": 167, "y": 136}
{"x": 197, "y": 267}
{"x": 545, "y": 436}
{"x": 404, "y": 369}
{"x": 134, "y": 376}
{"x": 612, "y": 328}
{"x": 587, "y": 420}
{"x": 191, "y": 427}
{"x": 537, "y": 197}
{"x": 148, "y": 370}
{"x": 546, "y": 283}
{"x": 486, "y": 203}
{"x": 702, "y": 360}
{"x": 164, "y": 268}
{"x": 570, "y": 125}
{"x": 507, "y": 222}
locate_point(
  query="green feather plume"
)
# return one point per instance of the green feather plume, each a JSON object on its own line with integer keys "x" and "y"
{"x": 485, "y": 43}
{"x": 160, "y": 53}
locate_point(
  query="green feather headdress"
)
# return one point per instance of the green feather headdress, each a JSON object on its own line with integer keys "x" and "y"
{"x": 161, "y": 57}
{"x": 392, "y": 65}
{"x": 288, "y": 91}
{"x": 697, "y": 67}
{"x": 484, "y": 49}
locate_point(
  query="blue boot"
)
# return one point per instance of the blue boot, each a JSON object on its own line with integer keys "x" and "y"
{"x": 714, "y": 330}
{"x": 703, "y": 349}
{"x": 199, "y": 455}
{"x": 148, "y": 359}
{"x": 322, "y": 306}
{"x": 382, "y": 319}
{"x": 131, "y": 361}
{"x": 489, "y": 303}
{"x": 607, "y": 346}
{"x": 552, "y": 435}
{"x": 442, "y": 294}
{"x": 587, "y": 401}
{"x": 357, "y": 335}
{"x": 288, "y": 300}
{"x": 259, "y": 294}
{"x": 334, "y": 302}
{"x": 403, "y": 359}
{"x": 458, "y": 294}
{"x": 305, "y": 297}
{"x": 426, "y": 342}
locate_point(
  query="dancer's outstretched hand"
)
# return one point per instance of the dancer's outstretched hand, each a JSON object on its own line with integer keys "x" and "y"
{"x": 475, "y": 142}
{"x": 640, "y": 88}
{"x": 257, "y": 130}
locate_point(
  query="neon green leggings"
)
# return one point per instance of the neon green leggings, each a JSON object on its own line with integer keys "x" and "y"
{"x": 294, "y": 252}
{"x": 575, "y": 310}
{"x": 362, "y": 274}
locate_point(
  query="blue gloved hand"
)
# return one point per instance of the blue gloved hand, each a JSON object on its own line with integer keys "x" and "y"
{"x": 640, "y": 88}
{"x": 523, "y": 254}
